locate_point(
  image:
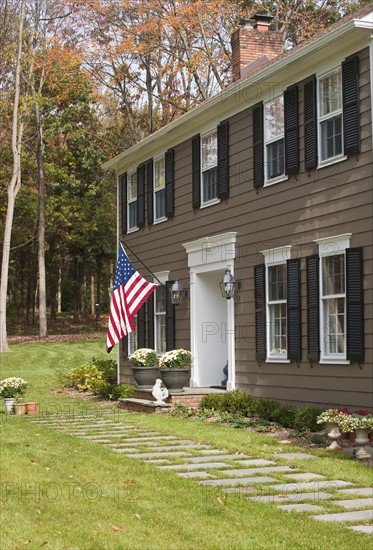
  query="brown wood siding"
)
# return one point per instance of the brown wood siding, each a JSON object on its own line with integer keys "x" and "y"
{"x": 330, "y": 201}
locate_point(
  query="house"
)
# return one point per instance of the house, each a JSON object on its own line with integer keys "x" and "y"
{"x": 270, "y": 181}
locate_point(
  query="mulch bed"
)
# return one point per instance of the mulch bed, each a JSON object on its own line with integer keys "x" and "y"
{"x": 54, "y": 338}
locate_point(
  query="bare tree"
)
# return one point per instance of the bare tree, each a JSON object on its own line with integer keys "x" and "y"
{"x": 14, "y": 185}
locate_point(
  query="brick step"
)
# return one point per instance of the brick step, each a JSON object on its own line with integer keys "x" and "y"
{"x": 190, "y": 397}
{"x": 143, "y": 405}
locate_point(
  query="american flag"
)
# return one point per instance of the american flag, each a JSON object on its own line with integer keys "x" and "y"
{"x": 130, "y": 291}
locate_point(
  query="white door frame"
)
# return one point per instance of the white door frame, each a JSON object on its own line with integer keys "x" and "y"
{"x": 205, "y": 255}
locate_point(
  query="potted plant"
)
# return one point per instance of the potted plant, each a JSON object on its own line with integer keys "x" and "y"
{"x": 175, "y": 368}
{"x": 10, "y": 389}
{"x": 332, "y": 418}
{"x": 144, "y": 367}
{"x": 19, "y": 407}
{"x": 361, "y": 424}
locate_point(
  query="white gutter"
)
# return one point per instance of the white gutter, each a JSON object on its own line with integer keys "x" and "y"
{"x": 227, "y": 93}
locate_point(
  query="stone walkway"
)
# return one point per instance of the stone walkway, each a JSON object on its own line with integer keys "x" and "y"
{"x": 256, "y": 479}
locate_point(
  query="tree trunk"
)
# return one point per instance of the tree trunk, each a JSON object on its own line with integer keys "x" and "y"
{"x": 93, "y": 313}
{"x": 14, "y": 187}
{"x": 59, "y": 291}
{"x": 41, "y": 226}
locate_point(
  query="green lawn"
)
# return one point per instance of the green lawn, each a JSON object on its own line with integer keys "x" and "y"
{"x": 61, "y": 492}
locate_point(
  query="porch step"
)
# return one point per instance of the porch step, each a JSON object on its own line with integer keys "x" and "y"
{"x": 189, "y": 397}
{"x": 143, "y": 405}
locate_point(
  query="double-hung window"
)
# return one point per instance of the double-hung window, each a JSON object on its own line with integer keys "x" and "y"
{"x": 330, "y": 116}
{"x": 132, "y": 338}
{"x": 209, "y": 145}
{"x": 332, "y": 254}
{"x": 274, "y": 139}
{"x": 132, "y": 201}
{"x": 159, "y": 189}
{"x": 276, "y": 293}
{"x": 160, "y": 313}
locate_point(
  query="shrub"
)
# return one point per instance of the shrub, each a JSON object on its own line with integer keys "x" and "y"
{"x": 267, "y": 409}
{"x": 235, "y": 401}
{"x": 85, "y": 377}
{"x": 307, "y": 419}
{"x": 108, "y": 368}
{"x": 122, "y": 391}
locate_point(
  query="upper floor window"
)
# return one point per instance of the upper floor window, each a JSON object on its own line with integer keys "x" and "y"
{"x": 159, "y": 189}
{"x": 330, "y": 116}
{"x": 274, "y": 139}
{"x": 209, "y": 144}
{"x": 132, "y": 200}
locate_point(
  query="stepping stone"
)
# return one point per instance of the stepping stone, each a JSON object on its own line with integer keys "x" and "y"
{"x": 362, "y": 491}
{"x": 212, "y": 452}
{"x": 239, "y": 490}
{"x": 362, "y": 528}
{"x": 257, "y": 462}
{"x": 249, "y": 471}
{"x": 357, "y": 503}
{"x": 305, "y": 477}
{"x": 194, "y": 466}
{"x": 152, "y": 455}
{"x": 315, "y": 485}
{"x": 238, "y": 481}
{"x": 207, "y": 458}
{"x": 106, "y": 434}
{"x": 150, "y": 438}
{"x": 347, "y": 516}
{"x": 301, "y": 507}
{"x": 317, "y": 495}
{"x": 100, "y": 440}
{"x": 193, "y": 447}
{"x": 158, "y": 461}
{"x": 194, "y": 474}
{"x": 292, "y": 456}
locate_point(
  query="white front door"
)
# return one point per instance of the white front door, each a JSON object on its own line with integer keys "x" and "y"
{"x": 211, "y": 315}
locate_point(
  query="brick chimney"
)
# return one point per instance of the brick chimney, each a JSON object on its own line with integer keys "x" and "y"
{"x": 253, "y": 41}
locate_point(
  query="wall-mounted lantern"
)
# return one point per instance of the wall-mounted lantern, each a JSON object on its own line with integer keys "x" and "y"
{"x": 177, "y": 293}
{"x": 228, "y": 285}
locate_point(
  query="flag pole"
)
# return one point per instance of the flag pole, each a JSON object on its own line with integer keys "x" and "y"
{"x": 141, "y": 262}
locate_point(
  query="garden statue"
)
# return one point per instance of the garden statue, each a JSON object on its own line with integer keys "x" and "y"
{"x": 158, "y": 392}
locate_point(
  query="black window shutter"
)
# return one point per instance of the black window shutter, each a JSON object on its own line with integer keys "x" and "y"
{"x": 170, "y": 319}
{"x": 351, "y": 111}
{"x": 150, "y": 312}
{"x": 170, "y": 182}
{"x": 294, "y": 310}
{"x": 313, "y": 332}
{"x": 141, "y": 327}
{"x": 141, "y": 196}
{"x": 223, "y": 160}
{"x": 196, "y": 171}
{"x": 149, "y": 190}
{"x": 310, "y": 124}
{"x": 258, "y": 146}
{"x": 291, "y": 113}
{"x": 260, "y": 312}
{"x": 355, "y": 304}
{"x": 123, "y": 202}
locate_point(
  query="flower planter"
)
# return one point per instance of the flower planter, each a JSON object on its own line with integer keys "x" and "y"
{"x": 31, "y": 407}
{"x": 145, "y": 377}
{"x": 175, "y": 379}
{"x": 19, "y": 408}
{"x": 9, "y": 403}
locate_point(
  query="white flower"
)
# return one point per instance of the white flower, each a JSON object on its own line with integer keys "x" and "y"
{"x": 12, "y": 387}
{"x": 176, "y": 359}
{"x": 143, "y": 357}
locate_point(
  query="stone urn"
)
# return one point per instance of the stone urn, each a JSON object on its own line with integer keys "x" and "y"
{"x": 175, "y": 379}
{"x": 362, "y": 440}
{"x": 333, "y": 433}
{"x": 145, "y": 377}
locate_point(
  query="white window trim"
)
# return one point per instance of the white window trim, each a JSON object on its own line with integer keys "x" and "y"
{"x": 272, "y": 257}
{"x": 135, "y": 228}
{"x": 132, "y": 335}
{"x": 216, "y": 200}
{"x": 163, "y": 218}
{"x": 281, "y": 177}
{"x": 160, "y": 277}
{"x": 337, "y": 158}
{"x": 331, "y": 246}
